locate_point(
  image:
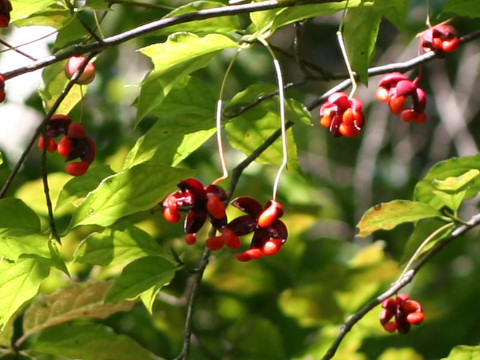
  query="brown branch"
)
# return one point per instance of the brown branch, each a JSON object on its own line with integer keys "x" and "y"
{"x": 407, "y": 278}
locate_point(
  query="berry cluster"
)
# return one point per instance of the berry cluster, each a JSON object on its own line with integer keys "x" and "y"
{"x": 5, "y": 8}
{"x": 73, "y": 64}
{"x": 2, "y": 88}
{"x": 396, "y": 88}
{"x": 74, "y": 144}
{"x": 200, "y": 202}
{"x": 440, "y": 38}
{"x": 343, "y": 116}
{"x": 400, "y": 313}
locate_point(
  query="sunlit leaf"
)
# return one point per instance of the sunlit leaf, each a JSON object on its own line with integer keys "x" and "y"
{"x": 15, "y": 242}
{"x": 14, "y": 213}
{"x": 127, "y": 192}
{"x": 456, "y": 184}
{"x": 455, "y": 167}
{"x": 174, "y": 59}
{"x": 74, "y": 302}
{"x": 89, "y": 342}
{"x": 19, "y": 283}
{"x": 464, "y": 352}
{"x": 6, "y": 334}
{"x": 186, "y": 121}
{"x": 25, "y": 8}
{"x": 54, "y": 81}
{"x": 115, "y": 245}
{"x": 386, "y": 216}
{"x": 78, "y": 187}
{"x": 141, "y": 275}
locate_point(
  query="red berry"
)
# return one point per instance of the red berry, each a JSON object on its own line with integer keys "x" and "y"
{"x": 390, "y": 326}
{"x": 72, "y": 66}
{"x": 450, "y": 45}
{"x": 75, "y": 130}
{"x": 271, "y": 247}
{"x": 348, "y": 130}
{"x": 191, "y": 239}
{"x": 415, "y": 317}
{"x": 215, "y": 243}
{"x": 230, "y": 239}
{"x": 271, "y": 213}
{"x": 382, "y": 94}
{"x": 51, "y": 144}
{"x": 215, "y": 206}
{"x": 64, "y": 146}
{"x": 412, "y": 306}
{"x": 77, "y": 168}
{"x": 171, "y": 214}
{"x": 249, "y": 254}
{"x": 326, "y": 120}
{"x": 396, "y": 104}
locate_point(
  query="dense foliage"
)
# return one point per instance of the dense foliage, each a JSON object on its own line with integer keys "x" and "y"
{"x": 370, "y": 227}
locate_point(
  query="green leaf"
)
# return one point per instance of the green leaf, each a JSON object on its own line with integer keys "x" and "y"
{"x": 360, "y": 32}
{"x": 141, "y": 275}
{"x": 33, "y": 194}
{"x": 470, "y": 8}
{"x": 1, "y": 158}
{"x": 89, "y": 342}
{"x": 19, "y": 283}
{"x": 456, "y": 184}
{"x": 78, "y": 187}
{"x": 97, "y": 5}
{"x": 464, "y": 352}
{"x": 70, "y": 34}
{"x": 54, "y": 81}
{"x": 6, "y": 335}
{"x": 249, "y": 130}
{"x": 394, "y": 10}
{"x": 421, "y": 232}
{"x": 386, "y": 216}
{"x": 187, "y": 120}
{"x": 14, "y": 213}
{"x": 15, "y": 242}
{"x": 455, "y": 167}
{"x": 127, "y": 192}
{"x": 173, "y": 60}
{"x": 25, "y": 8}
{"x": 116, "y": 245}
{"x": 75, "y": 302}
{"x": 219, "y": 25}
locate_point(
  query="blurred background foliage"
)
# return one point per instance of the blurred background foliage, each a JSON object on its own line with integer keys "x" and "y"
{"x": 289, "y": 306}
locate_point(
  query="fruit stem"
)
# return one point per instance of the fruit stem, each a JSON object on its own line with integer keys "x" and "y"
{"x": 281, "y": 99}
{"x": 15, "y": 48}
{"x": 341, "y": 43}
{"x": 218, "y": 121}
{"x": 422, "y": 246}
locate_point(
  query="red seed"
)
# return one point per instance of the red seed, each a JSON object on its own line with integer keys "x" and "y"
{"x": 271, "y": 247}
{"x": 415, "y": 317}
{"x": 390, "y": 326}
{"x": 171, "y": 214}
{"x": 64, "y": 146}
{"x": 77, "y": 168}
{"x": 191, "y": 239}
{"x": 396, "y": 104}
{"x": 215, "y": 206}
{"x": 230, "y": 239}
{"x": 270, "y": 214}
{"x": 382, "y": 94}
{"x": 215, "y": 243}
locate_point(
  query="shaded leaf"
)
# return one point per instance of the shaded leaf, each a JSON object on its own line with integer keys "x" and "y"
{"x": 141, "y": 275}
{"x": 19, "y": 283}
{"x": 78, "y": 187}
{"x": 174, "y": 59}
{"x": 6, "y": 334}
{"x": 89, "y": 342}
{"x": 74, "y": 302}
{"x": 360, "y": 32}
{"x": 464, "y": 352}
{"x": 386, "y": 216}
{"x": 115, "y": 245}
{"x": 127, "y": 192}
{"x": 470, "y": 8}
{"x": 14, "y": 213}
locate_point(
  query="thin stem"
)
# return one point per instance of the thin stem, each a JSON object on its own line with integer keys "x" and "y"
{"x": 347, "y": 63}
{"x": 422, "y": 246}
{"x": 427, "y": 20}
{"x": 218, "y": 122}
{"x": 281, "y": 99}
{"x": 30, "y": 42}
{"x": 97, "y": 23}
{"x": 10, "y": 47}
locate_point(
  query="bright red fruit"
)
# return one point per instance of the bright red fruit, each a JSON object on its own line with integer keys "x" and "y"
{"x": 171, "y": 214}
{"x": 77, "y": 168}
{"x": 5, "y": 8}
{"x": 51, "y": 144}
{"x": 64, "y": 146}
{"x": 272, "y": 212}
{"x": 215, "y": 243}
{"x": 215, "y": 206}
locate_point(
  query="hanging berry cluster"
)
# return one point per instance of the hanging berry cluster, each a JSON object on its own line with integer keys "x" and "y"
{"x": 2, "y": 88}
{"x": 400, "y": 313}
{"x": 342, "y": 115}
{"x": 396, "y": 88}
{"x": 200, "y": 202}
{"x": 75, "y": 144}
{"x": 440, "y": 38}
